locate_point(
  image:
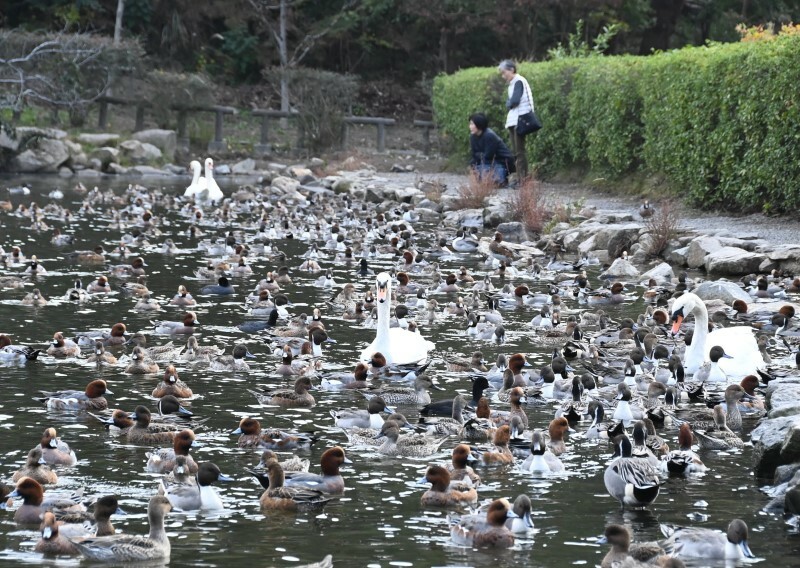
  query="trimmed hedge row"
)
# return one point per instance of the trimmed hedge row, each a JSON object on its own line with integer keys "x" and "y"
{"x": 721, "y": 123}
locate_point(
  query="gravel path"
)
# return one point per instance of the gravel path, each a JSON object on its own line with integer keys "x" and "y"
{"x": 776, "y": 230}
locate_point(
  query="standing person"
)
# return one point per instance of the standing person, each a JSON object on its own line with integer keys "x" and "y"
{"x": 490, "y": 155}
{"x": 520, "y": 101}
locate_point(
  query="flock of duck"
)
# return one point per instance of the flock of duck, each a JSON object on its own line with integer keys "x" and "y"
{"x": 623, "y": 387}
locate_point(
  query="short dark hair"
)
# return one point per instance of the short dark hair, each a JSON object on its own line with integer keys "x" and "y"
{"x": 479, "y": 120}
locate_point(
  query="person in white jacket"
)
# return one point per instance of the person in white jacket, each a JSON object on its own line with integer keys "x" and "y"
{"x": 519, "y": 102}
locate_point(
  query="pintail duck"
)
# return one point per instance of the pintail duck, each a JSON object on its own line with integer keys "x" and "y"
{"x": 394, "y": 394}
{"x": 296, "y": 397}
{"x": 696, "y": 542}
{"x": 166, "y": 353}
{"x": 484, "y": 531}
{"x": 193, "y": 352}
{"x": 500, "y": 251}
{"x": 172, "y": 385}
{"x": 91, "y": 398}
{"x": 631, "y": 481}
{"x": 413, "y": 445}
{"x": 619, "y": 537}
{"x": 541, "y": 460}
{"x": 446, "y": 426}
{"x": 163, "y": 460}
{"x": 720, "y": 437}
{"x": 699, "y": 420}
{"x": 277, "y": 496}
{"x": 36, "y": 468}
{"x": 132, "y": 548}
{"x": 252, "y": 436}
{"x": 62, "y": 348}
{"x": 199, "y": 495}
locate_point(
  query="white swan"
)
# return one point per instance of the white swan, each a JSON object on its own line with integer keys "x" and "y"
{"x": 737, "y": 341}
{"x": 399, "y": 346}
{"x": 198, "y": 183}
{"x": 214, "y": 192}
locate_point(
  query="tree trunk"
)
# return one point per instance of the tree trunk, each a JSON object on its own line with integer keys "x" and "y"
{"x": 283, "y": 54}
{"x": 667, "y": 13}
{"x": 118, "y": 23}
{"x": 443, "y": 48}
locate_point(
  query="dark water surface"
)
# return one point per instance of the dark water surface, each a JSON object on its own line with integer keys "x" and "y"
{"x": 379, "y": 521}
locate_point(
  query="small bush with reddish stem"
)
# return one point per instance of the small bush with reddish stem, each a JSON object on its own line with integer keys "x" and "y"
{"x": 663, "y": 226}
{"x": 474, "y": 193}
{"x": 528, "y": 206}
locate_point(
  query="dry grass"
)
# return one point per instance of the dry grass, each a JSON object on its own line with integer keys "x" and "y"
{"x": 354, "y": 161}
{"x": 663, "y": 226}
{"x": 529, "y": 206}
{"x": 433, "y": 189}
{"x": 475, "y": 193}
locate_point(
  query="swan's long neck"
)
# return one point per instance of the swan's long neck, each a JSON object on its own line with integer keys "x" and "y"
{"x": 195, "y": 175}
{"x": 697, "y": 348}
{"x": 209, "y": 172}
{"x": 383, "y": 313}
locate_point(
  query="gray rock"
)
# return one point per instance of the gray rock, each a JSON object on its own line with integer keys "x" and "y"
{"x": 785, "y": 400}
{"x": 298, "y": 172}
{"x": 513, "y": 231}
{"x": 729, "y": 261}
{"x": 147, "y": 171}
{"x": 428, "y": 215}
{"x": 106, "y": 155}
{"x": 175, "y": 169}
{"x": 428, "y": 204}
{"x": 76, "y": 154}
{"x": 722, "y": 290}
{"x": 140, "y": 152}
{"x": 768, "y": 442}
{"x": 746, "y": 244}
{"x": 788, "y": 256}
{"x": 222, "y": 170}
{"x": 53, "y": 133}
{"x": 571, "y": 240}
{"x": 64, "y": 171}
{"x": 699, "y": 248}
{"x": 99, "y": 139}
{"x": 662, "y": 273}
{"x": 285, "y": 185}
{"x": 246, "y": 166}
{"x": 587, "y": 246}
{"x": 621, "y": 268}
{"x": 95, "y": 164}
{"x": 784, "y": 473}
{"x": 115, "y": 168}
{"x": 622, "y": 241}
{"x": 605, "y": 232}
{"x": 406, "y": 194}
{"x": 8, "y": 142}
{"x": 372, "y": 196}
{"x": 164, "y": 140}
{"x": 676, "y": 254}
{"x": 495, "y": 214}
{"x": 639, "y": 256}
{"x": 88, "y": 173}
{"x": 316, "y": 163}
{"x": 47, "y": 156}
{"x": 465, "y": 218}
{"x": 768, "y": 266}
{"x": 790, "y": 450}
{"x": 342, "y": 185}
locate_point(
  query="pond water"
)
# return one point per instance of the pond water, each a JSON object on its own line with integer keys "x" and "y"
{"x": 379, "y": 521}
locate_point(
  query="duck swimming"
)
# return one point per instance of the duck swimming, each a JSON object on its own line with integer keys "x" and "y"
{"x": 484, "y": 531}
{"x": 132, "y": 548}
{"x": 399, "y": 346}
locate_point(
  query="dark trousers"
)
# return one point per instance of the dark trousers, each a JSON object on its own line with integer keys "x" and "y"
{"x": 518, "y": 147}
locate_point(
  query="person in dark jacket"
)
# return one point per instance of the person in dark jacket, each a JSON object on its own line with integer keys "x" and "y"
{"x": 490, "y": 155}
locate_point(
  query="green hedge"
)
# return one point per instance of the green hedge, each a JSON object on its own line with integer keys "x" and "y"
{"x": 720, "y": 123}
